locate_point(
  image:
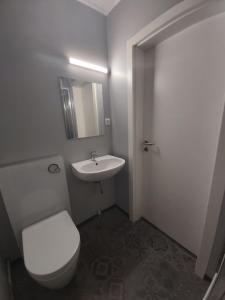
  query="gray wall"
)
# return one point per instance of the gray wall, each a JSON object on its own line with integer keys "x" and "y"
{"x": 4, "y": 289}
{"x": 123, "y": 22}
{"x": 36, "y": 38}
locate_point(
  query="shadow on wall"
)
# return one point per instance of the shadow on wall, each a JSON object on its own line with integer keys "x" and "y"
{"x": 8, "y": 245}
{"x": 4, "y": 288}
{"x": 219, "y": 244}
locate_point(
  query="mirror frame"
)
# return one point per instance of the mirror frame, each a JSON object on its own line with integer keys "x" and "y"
{"x": 68, "y": 107}
{"x": 67, "y": 100}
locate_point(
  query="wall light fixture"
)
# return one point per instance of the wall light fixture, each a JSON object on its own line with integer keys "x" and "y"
{"x": 87, "y": 65}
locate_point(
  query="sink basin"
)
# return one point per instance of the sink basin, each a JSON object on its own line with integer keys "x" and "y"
{"x": 103, "y": 168}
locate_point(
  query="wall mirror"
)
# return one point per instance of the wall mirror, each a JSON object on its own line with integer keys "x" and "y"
{"x": 83, "y": 110}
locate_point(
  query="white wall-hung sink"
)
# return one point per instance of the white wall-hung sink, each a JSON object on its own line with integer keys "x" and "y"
{"x": 100, "y": 169}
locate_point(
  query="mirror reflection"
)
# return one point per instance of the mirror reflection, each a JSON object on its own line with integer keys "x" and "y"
{"x": 83, "y": 107}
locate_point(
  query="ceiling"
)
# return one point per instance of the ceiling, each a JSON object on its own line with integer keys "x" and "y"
{"x": 103, "y": 6}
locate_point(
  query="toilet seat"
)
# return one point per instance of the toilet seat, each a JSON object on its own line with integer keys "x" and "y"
{"x": 50, "y": 246}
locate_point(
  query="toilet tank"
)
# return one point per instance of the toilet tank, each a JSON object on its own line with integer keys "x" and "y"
{"x": 33, "y": 190}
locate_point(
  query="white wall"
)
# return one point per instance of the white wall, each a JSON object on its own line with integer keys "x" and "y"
{"x": 36, "y": 38}
{"x": 126, "y": 19}
{"x": 4, "y": 289}
{"x": 188, "y": 105}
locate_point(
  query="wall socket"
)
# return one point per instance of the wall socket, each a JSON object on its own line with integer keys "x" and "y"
{"x": 107, "y": 122}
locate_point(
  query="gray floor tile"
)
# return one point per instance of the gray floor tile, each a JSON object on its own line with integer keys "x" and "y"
{"x": 121, "y": 261}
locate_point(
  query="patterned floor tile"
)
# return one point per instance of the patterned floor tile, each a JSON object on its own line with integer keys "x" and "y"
{"x": 121, "y": 261}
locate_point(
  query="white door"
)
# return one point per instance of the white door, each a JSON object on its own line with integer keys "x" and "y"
{"x": 183, "y": 106}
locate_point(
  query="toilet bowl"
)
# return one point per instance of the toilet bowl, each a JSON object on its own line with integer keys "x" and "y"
{"x": 51, "y": 250}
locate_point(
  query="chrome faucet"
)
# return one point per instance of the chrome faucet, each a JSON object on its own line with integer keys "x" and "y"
{"x": 93, "y": 155}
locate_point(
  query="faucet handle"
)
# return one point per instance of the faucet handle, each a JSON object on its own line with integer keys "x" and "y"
{"x": 93, "y": 155}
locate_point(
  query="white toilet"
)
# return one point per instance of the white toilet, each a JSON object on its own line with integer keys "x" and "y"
{"x": 36, "y": 197}
{"x": 51, "y": 249}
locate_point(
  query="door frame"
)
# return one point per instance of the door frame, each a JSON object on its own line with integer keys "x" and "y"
{"x": 176, "y": 19}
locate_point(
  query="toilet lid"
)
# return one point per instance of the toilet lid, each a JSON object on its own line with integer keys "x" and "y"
{"x": 50, "y": 244}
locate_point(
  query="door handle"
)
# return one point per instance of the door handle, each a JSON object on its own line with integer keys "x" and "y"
{"x": 148, "y": 143}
